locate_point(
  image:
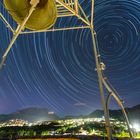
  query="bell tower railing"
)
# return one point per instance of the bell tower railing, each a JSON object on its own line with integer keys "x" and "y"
{"x": 63, "y": 12}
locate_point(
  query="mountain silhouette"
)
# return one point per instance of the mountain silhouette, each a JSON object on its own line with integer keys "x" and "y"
{"x": 30, "y": 114}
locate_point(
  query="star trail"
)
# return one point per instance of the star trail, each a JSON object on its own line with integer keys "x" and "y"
{"x": 57, "y": 69}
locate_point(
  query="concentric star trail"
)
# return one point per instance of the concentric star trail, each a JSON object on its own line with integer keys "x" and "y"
{"x": 57, "y": 69}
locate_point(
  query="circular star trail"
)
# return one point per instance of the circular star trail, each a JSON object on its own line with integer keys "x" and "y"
{"x": 57, "y": 69}
{"x": 117, "y": 25}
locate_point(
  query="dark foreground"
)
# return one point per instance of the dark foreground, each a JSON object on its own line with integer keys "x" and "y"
{"x": 72, "y": 138}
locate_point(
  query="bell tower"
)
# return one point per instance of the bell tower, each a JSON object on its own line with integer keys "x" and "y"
{"x": 59, "y": 9}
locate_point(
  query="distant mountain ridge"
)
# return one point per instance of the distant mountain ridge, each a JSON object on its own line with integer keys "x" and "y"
{"x": 30, "y": 114}
{"x": 40, "y": 114}
{"x": 133, "y": 114}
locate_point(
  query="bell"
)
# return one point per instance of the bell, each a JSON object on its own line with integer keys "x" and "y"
{"x": 43, "y": 17}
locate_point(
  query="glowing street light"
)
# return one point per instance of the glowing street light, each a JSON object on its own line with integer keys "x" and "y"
{"x": 136, "y": 127}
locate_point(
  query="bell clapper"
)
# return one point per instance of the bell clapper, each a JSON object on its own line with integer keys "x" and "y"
{"x": 34, "y": 2}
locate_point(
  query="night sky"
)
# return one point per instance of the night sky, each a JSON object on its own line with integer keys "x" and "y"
{"x": 56, "y": 70}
